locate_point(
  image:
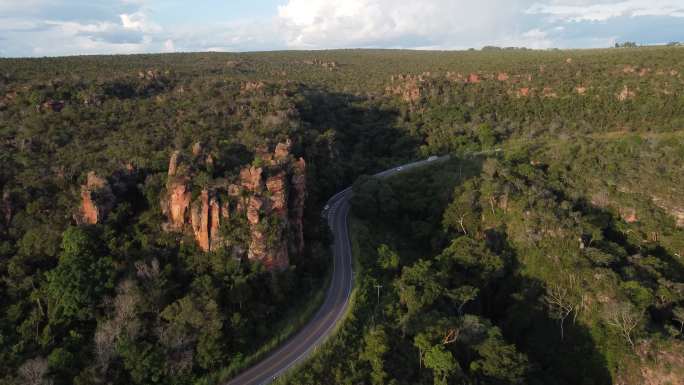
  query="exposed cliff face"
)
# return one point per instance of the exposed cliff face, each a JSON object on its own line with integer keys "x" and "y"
{"x": 677, "y": 211}
{"x": 97, "y": 200}
{"x": 202, "y": 216}
{"x": 330, "y": 65}
{"x": 630, "y": 214}
{"x": 250, "y": 178}
{"x": 473, "y": 78}
{"x": 271, "y": 197}
{"x": 409, "y": 87}
{"x": 200, "y": 221}
{"x": 178, "y": 195}
{"x": 658, "y": 365}
{"x": 625, "y": 94}
{"x": 276, "y": 207}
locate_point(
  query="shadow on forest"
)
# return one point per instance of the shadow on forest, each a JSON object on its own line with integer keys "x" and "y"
{"x": 606, "y": 220}
{"x": 516, "y": 307}
{"x": 514, "y": 303}
{"x": 356, "y": 136}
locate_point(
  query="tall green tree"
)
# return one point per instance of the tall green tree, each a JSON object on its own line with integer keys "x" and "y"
{"x": 82, "y": 276}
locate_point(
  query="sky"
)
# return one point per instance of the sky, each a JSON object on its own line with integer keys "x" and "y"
{"x": 78, "y": 27}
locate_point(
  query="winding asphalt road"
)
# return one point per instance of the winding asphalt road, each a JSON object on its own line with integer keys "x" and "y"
{"x": 336, "y": 301}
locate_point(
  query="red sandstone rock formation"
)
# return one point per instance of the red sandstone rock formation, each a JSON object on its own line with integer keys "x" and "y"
{"x": 628, "y": 215}
{"x": 677, "y": 211}
{"x": 250, "y": 178}
{"x": 282, "y": 150}
{"x": 548, "y": 92}
{"x": 276, "y": 186}
{"x": 625, "y": 94}
{"x": 200, "y": 221}
{"x": 628, "y": 69}
{"x": 271, "y": 197}
{"x": 151, "y": 74}
{"x": 197, "y": 149}
{"x": 409, "y": 87}
{"x": 523, "y": 92}
{"x": 97, "y": 200}
{"x": 473, "y": 78}
{"x": 454, "y": 76}
{"x": 330, "y": 65}
{"x": 178, "y": 195}
{"x": 205, "y": 219}
{"x": 252, "y": 86}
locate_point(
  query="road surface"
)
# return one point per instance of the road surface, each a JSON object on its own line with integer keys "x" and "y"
{"x": 336, "y": 301}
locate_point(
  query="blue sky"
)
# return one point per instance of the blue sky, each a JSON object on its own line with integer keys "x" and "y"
{"x": 74, "y": 27}
{"x": 170, "y": 12}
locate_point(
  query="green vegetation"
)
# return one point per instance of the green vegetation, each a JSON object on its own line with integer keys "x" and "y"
{"x": 516, "y": 280}
{"x": 555, "y": 261}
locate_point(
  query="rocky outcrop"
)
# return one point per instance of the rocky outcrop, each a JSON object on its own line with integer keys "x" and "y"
{"x": 548, "y": 92}
{"x": 269, "y": 195}
{"x": 7, "y": 99}
{"x": 97, "y": 200}
{"x": 473, "y": 78}
{"x": 276, "y": 206}
{"x": 523, "y": 92}
{"x": 409, "y": 87}
{"x": 625, "y": 94}
{"x": 151, "y": 74}
{"x": 200, "y": 221}
{"x": 250, "y": 178}
{"x": 657, "y": 364}
{"x": 330, "y": 65}
{"x": 203, "y": 215}
{"x": 175, "y": 207}
{"x": 251, "y": 86}
{"x": 628, "y": 214}
{"x": 676, "y": 211}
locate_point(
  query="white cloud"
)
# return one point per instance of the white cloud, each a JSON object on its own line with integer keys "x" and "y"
{"x": 139, "y": 21}
{"x": 49, "y": 28}
{"x": 58, "y": 27}
{"x": 400, "y": 23}
{"x": 584, "y": 11}
{"x": 169, "y": 46}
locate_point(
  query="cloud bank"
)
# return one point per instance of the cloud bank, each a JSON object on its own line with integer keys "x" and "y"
{"x": 68, "y": 27}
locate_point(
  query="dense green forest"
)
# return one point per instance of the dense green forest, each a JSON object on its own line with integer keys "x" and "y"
{"x": 556, "y": 260}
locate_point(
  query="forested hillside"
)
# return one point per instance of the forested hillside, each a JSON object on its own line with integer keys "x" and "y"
{"x": 161, "y": 215}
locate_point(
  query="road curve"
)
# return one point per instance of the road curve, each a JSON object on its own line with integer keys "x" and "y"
{"x": 336, "y": 301}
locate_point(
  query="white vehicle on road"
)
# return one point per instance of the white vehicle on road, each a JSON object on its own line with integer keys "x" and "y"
{"x": 430, "y": 159}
